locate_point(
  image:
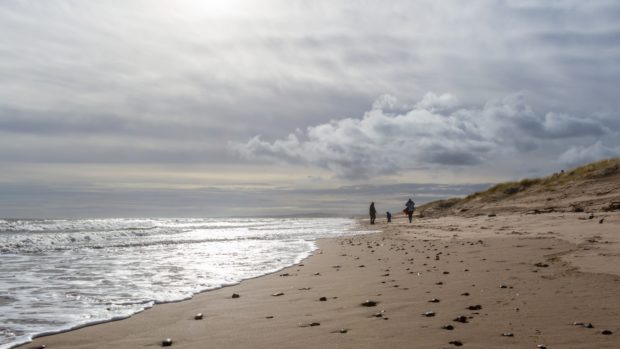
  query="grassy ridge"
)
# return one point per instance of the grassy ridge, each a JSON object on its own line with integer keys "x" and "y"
{"x": 507, "y": 190}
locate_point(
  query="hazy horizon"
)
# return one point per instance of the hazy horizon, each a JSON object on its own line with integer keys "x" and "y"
{"x": 236, "y": 108}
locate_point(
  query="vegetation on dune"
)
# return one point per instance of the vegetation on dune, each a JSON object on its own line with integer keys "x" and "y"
{"x": 501, "y": 191}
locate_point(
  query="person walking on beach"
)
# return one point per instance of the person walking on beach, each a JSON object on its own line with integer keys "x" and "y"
{"x": 389, "y": 216}
{"x": 409, "y": 208}
{"x": 373, "y": 213}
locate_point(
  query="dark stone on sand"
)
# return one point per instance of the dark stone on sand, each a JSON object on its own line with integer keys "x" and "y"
{"x": 465, "y": 294}
{"x": 475, "y": 307}
{"x": 446, "y": 272}
{"x": 503, "y": 286}
{"x": 312, "y": 324}
{"x": 42, "y": 346}
{"x": 235, "y": 295}
{"x": 434, "y": 300}
{"x": 166, "y": 342}
{"x": 269, "y": 317}
{"x": 370, "y": 303}
{"x": 317, "y": 274}
{"x": 198, "y": 316}
{"x": 343, "y": 330}
{"x": 323, "y": 299}
{"x": 377, "y": 315}
{"x": 429, "y": 314}
{"x": 491, "y": 215}
{"x": 541, "y": 265}
{"x": 448, "y": 327}
{"x": 541, "y": 346}
{"x": 456, "y": 343}
{"x": 507, "y": 334}
{"x": 461, "y": 319}
{"x": 439, "y": 283}
{"x": 285, "y": 274}
{"x": 278, "y": 294}
{"x": 606, "y": 332}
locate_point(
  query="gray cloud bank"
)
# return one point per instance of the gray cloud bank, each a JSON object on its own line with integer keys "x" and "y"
{"x": 438, "y": 131}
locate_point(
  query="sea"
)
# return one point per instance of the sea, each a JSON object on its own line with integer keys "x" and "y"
{"x": 57, "y": 275}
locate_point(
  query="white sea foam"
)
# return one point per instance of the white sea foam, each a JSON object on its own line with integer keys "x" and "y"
{"x": 60, "y": 274}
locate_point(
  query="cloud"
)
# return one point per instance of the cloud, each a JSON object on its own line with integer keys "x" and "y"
{"x": 435, "y": 132}
{"x": 579, "y": 155}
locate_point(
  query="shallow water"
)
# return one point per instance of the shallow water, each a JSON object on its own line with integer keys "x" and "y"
{"x": 61, "y": 274}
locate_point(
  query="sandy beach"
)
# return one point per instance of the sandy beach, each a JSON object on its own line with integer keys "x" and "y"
{"x": 504, "y": 281}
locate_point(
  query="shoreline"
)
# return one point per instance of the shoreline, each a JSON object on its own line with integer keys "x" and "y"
{"x": 402, "y": 268}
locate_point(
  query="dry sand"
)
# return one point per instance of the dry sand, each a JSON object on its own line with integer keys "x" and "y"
{"x": 533, "y": 276}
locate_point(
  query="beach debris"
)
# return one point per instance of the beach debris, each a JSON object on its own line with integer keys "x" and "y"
{"x": 235, "y": 295}
{"x": 42, "y": 346}
{"x": 541, "y": 265}
{"x": 475, "y": 307}
{"x": 317, "y": 274}
{"x": 541, "y": 346}
{"x": 377, "y": 315}
{"x": 491, "y": 215}
{"x": 323, "y": 299}
{"x": 448, "y": 327}
{"x": 583, "y": 324}
{"x": 591, "y": 216}
{"x": 508, "y": 334}
{"x": 456, "y": 343}
{"x": 600, "y": 221}
{"x": 343, "y": 330}
{"x": 461, "y": 319}
{"x": 369, "y": 303}
{"x": 429, "y": 314}
{"x": 434, "y": 300}
{"x": 166, "y": 342}
{"x": 278, "y": 294}
{"x": 198, "y": 316}
{"x": 606, "y": 332}
{"x": 285, "y": 274}
{"x": 312, "y": 324}
{"x": 503, "y": 286}
{"x": 269, "y": 317}
{"x": 465, "y": 294}
{"x": 304, "y": 288}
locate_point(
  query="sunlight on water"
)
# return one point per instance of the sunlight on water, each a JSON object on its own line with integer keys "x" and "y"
{"x": 61, "y": 274}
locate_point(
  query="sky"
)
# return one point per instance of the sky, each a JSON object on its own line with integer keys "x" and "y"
{"x": 127, "y": 108}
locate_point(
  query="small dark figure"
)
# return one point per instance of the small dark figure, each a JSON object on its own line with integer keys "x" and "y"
{"x": 389, "y": 216}
{"x": 409, "y": 208}
{"x": 373, "y": 213}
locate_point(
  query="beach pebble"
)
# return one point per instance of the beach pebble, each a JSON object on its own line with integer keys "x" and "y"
{"x": 503, "y": 286}
{"x": 312, "y": 324}
{"x": 606, "y": 332}
{"x": 377, "y": 315}
{"x": 461, "y": 319}
{"x": 456, "y": 343}
{"x": 166, "y": 342}
{"x": 323, "y": 299}
{"x": 42, "y": 346}
{"x": 541, "y": 265}
{"x": 269, "y": 317}
{"x": 198, "y": 316}
{"x": 507, "y": 334}
{"x": 235, "y": 295}
{"x": 465, "y": 294}
{"x": 434, "y": 300}
{"x": 541, "y": 346}
{"x": 429, "y": 314}
{"x": 448, "y": 327}
{"x": 343, "y": 330}
{"x": 369, "y": 303}
{"x": 475, "y": 307}
{"x": 584, "y": 325}
{"x": 278, "y": 294}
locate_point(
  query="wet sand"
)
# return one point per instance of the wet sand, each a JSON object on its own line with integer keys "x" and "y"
{"x": 509, "y": 281}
